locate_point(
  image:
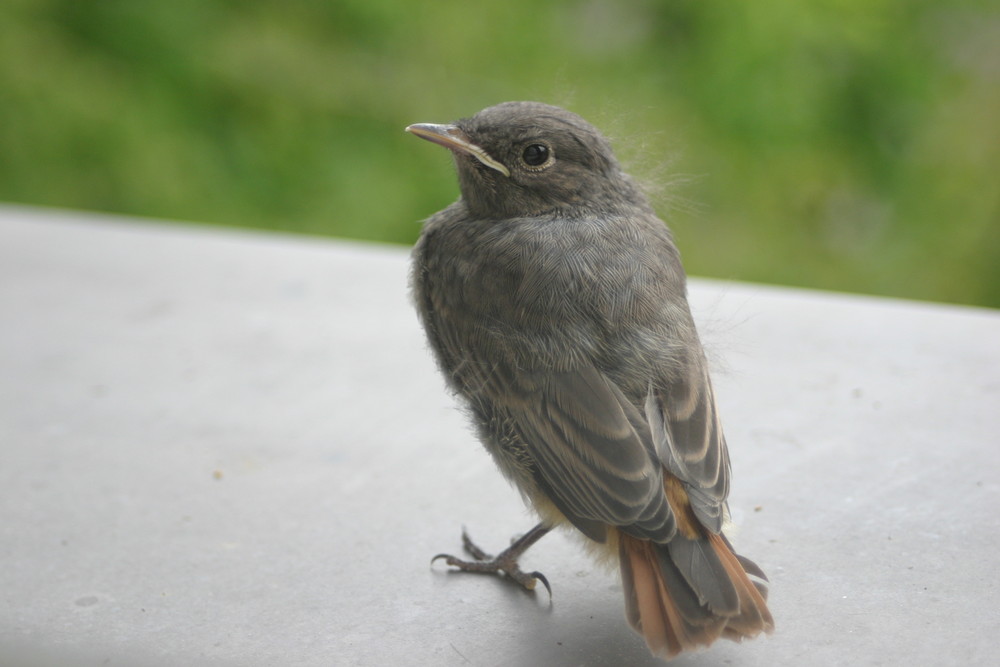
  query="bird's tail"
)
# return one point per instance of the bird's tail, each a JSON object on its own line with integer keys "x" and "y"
{"x": 690, "y": 592}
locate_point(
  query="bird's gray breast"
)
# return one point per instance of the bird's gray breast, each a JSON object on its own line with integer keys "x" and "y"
{"x": 551, "y": 294}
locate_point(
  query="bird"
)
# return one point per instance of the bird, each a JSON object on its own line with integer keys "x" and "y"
{"x": 555, "y": 303}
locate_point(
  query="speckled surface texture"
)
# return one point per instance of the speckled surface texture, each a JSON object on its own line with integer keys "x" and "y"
{"x": 227, "y": 448}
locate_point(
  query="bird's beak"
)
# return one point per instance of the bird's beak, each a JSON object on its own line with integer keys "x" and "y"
{"x": 451, "y": 137}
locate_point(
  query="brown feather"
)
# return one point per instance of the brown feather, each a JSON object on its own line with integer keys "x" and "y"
{"x": 653, "y": 584}
{"x": 644, "y": 598}
{"x": 754, "y": 616}
{"x": 687, "y": 522}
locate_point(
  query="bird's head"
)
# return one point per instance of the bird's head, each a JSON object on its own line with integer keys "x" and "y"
{"x": 520, "y": 159}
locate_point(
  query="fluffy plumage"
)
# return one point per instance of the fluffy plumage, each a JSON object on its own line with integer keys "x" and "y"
{"x": 555, "y": 302}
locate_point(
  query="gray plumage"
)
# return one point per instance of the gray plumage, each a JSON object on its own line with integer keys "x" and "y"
{"x": 555, "y": 302}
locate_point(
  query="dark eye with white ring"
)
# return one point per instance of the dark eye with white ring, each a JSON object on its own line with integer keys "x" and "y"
{"x": 535, "y": 155}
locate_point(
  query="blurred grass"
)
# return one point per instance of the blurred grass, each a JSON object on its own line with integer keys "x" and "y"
{"x": 841, "y": 144}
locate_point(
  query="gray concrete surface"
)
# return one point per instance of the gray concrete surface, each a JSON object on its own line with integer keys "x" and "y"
{"x": 227, "y": 448}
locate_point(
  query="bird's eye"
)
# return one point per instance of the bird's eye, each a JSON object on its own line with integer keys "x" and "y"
{"x": 535, "y": 155}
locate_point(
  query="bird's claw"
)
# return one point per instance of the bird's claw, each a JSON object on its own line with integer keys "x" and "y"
{"x": 538, "y": 576}
{"x": 505, "y": 563}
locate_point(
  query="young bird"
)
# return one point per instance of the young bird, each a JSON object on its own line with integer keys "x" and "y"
{"x": 555, "y": 302}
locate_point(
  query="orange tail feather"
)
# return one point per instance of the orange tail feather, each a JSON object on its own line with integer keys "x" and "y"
{"x": 664, "y": 606}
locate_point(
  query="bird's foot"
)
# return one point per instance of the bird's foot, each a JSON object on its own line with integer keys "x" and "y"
{"x": 505, "y": 562}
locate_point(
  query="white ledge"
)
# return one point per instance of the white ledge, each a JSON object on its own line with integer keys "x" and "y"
{"x": 229, "y": 448}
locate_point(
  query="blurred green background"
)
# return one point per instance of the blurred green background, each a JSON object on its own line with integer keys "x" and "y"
{"x": 850, "y": 145}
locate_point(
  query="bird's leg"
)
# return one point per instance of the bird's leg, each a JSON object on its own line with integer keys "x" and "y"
{"x": 505, "y": 562}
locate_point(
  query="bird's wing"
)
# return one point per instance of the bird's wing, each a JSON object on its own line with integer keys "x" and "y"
{"x": 593, "y": 454}
{"x": 687, "y": 434}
